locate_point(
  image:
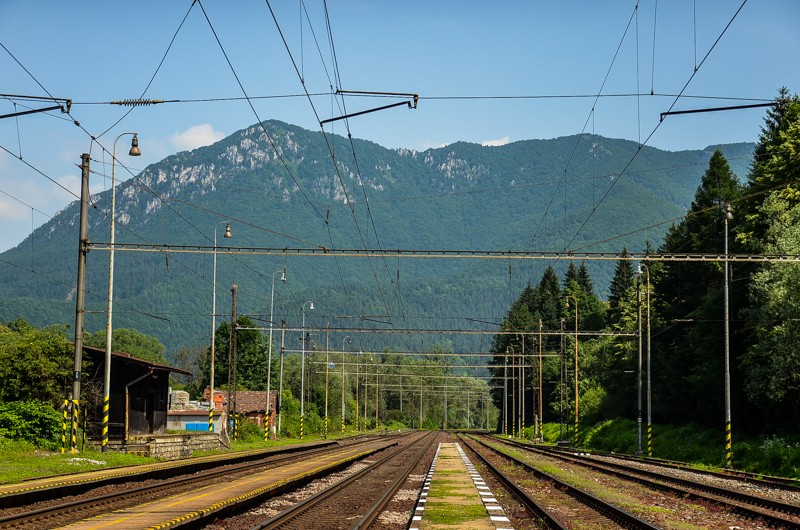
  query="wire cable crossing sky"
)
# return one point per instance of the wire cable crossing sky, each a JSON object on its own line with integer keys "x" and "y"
{"x": 491, "y": 77}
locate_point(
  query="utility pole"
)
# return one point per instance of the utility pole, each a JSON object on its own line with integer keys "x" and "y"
{"x": 232, "y": 355}
{"x": 562, "y": 369}
{"x": 639, "y": 380}
{"x": 514, "y": 411}
{"x": 505, "y": 394}
{"x": 522, "y": 390}
{"x": 727, "y": 216}
{"x": 80, "y": 299}
{"x": 540, "y": 380}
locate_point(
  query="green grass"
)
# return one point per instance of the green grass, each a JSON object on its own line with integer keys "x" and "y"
{"x": 450, "y": 514}
{"x": 21, "y": 461}
{"x": 702, "y": 447}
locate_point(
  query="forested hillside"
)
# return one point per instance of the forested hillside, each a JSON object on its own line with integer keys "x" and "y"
{"x": 277, "y": 187}
{"x": 673, "y": 313}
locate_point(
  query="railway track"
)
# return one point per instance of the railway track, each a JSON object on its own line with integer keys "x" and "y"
{"x": 776, "y": 514}
{"x": 553, "y": 502}
{"x": 62, "y": 513}
{"x": 744, "y": 477}
{"x": 356, "y": 501}
{"x": 33, "y": 491}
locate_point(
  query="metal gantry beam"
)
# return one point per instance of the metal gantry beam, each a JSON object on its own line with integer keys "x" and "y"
{"x": 422, "y": 331}
{"x": 447, "y": 254}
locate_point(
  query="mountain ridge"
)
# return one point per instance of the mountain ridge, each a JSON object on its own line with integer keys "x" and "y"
{"x": 455, "y": 197}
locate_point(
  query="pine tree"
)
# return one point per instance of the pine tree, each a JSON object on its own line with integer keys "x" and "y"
{"x": 775, "y": 166}
{"x": 571, "y": 275}
{"x": 690, "y": 297}
{"x": 621, "y": 282}
{"x": 585, "y": 279}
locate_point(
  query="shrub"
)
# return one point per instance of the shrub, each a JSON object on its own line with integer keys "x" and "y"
{"x": 250, "y": 431}
{"x": 31, "y": 421}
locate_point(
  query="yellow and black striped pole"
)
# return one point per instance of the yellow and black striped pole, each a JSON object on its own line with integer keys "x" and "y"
{"x": 342, "y": 424}
{"x": 649, "y": 439}
{"x": 104, "y": 443}
{"x": 211, "y": 415}
{"x": 728, "y": 445}
{"x": 302, "y": 418}
{"x": 64, "y": 423}
{"x": 266, "y": 426}
{"x": 74, "y": 431}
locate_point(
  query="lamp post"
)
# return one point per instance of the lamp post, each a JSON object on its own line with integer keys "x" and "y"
{"x": 639, "y": 378}
{"x": 107, "y": 375}
{"x": 214, "y": 325}
{"x": 649, "y": 393}
{"x": 727, "y": 216}
{"x": 267, "y": 424}
{"x": 349, "y": 341}
{"x": 303, "y": 369}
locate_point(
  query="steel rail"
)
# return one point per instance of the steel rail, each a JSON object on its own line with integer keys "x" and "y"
{"x": 77, "y": 485}
{"x": 787, "y": 484}
{"x": 621, "y": 517}
{"x": 304, "y": 506}
{"x": 376, "y": 509}
{"x": 166, "y": 486}
{"x": 529, "y": 502}
{"x": 739, "y": 502}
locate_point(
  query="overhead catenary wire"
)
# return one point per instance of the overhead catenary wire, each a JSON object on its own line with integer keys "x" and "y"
{"x": 255, "y": 113}
{"x": 657, "y": 126}
{"x": 354, "y": 201}
{"x": 155, "y": 73}
{"x": 327, "y": 141}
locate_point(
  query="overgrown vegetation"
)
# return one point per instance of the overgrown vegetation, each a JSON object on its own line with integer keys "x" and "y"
{"x": 766, "y": 454}
{"x": 674, "y": 311}
{"x": 20, "y": 460}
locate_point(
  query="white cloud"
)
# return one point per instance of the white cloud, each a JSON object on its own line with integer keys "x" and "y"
{"x": 424, "y": 146}
{"x": 496, "y": 143}
{"x": 196, "y": 136}
{"x": 11, "y": 210}
{"x": 73, "y": 184}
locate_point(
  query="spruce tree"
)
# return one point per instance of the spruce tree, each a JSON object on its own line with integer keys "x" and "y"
{"x": 585, "y": 279}
{"x": 621, "y": 282}
{"x": 775, "y": 167}
{"x": 690, "y": 298}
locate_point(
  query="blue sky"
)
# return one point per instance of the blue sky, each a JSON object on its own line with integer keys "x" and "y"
{"x": 93, "y": 52}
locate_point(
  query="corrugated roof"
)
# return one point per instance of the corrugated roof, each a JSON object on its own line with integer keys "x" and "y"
{"x": 126, "y": 357}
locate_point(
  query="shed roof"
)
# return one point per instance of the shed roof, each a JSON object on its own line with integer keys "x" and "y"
{"x": 250, "y": 400}
{"x": 126, "y": 358}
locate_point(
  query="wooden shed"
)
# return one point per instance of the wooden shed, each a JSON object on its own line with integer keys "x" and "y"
{"x": 139, "y": 395}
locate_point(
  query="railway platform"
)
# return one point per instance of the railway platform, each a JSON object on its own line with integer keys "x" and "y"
{"x": 216, "y": 500}
{"x": 455, "y": 496}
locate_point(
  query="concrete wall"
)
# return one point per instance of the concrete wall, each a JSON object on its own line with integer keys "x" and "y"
{"x": 172, "y": 446}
